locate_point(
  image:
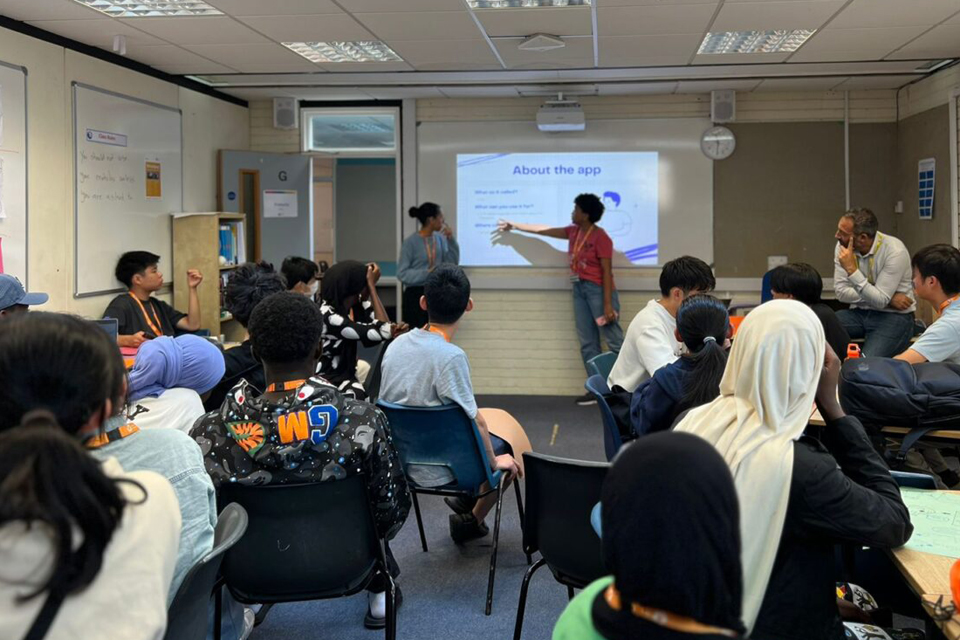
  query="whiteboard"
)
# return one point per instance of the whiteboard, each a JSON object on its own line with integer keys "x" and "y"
{"x": 13, "y": 170}
{"x": 685, "y": 213}
{"x": 128, "y": 180}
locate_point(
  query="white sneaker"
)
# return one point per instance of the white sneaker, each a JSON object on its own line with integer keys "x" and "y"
{"x": 248, "y": 620}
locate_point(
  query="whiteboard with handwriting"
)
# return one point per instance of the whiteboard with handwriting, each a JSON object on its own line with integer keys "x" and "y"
{"x": 128, "y": 181}
{"x": 13, "y": 171}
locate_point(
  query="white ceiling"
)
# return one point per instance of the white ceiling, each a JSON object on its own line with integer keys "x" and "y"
{"x": 647, "y": 46}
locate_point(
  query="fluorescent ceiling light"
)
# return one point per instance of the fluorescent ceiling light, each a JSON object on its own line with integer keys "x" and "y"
{"x": 151, "y": 8}
{"x": 371, "y": 51}
{"x": 774, "y": 41}
{"x": 526, "y": 4}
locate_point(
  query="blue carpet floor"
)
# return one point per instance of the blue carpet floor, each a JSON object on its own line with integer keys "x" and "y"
{"x": 444, "y": 589}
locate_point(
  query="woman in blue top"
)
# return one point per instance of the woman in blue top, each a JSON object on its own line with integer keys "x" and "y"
{"x": 420, "y": 253}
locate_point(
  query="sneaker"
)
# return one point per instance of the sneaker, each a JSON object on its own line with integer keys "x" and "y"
{"x": 460, "y": 504}
{"x": 464, "y": 526}
{"x": 372, "y": 622}
{"x": 586, "y": 400}
{"x": 249, "y": 617}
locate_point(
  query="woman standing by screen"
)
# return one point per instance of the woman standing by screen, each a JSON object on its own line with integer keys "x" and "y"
{"x": 421, "y": 252}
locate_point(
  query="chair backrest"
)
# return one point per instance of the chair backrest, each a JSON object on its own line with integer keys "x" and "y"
{"x": 914, "y": 480}
{"x": 611, "y": 433}
{"x": 602, "y": 364}
{"x": 560, "y": 496}
{"x": 439, "y": 447}
{"x": 766, "y": 292}
{"x": 305, "y": 541}
{"x": 188, "y": 615}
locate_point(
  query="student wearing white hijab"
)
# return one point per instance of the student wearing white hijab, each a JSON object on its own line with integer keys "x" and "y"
{"x": 798, "y": 496}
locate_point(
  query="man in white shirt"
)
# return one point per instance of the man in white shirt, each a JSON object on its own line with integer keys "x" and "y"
{"x": 651, "y": 340}
{"x": 872, "y": 274}
{"x": 936, "y": 279}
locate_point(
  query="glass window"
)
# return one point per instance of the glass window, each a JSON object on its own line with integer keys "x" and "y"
{"x": 331, "y": 131}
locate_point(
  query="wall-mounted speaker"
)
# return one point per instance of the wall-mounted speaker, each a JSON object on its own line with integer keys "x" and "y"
{"x": 723, "y": 105}
{"x": 284, "y": 113}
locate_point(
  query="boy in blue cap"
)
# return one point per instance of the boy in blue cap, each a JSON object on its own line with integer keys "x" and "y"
{"x": 14, "y": 298}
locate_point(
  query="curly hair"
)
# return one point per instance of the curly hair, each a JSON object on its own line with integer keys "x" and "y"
{"x": 285, "y": 328}
{"x": 248, "y": 285}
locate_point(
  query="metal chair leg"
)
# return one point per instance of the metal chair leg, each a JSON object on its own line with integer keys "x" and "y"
{"x": 390, "y": 631}
{"x": 522, "y": 605}
{"x": 569, "y": 592}
{"x": 493, "y": 555}
{"x": 218, "y": 612}
{"x": 262, "y": 614}
{"x": 516, "y": 484}
{"x": 416, "y": 508}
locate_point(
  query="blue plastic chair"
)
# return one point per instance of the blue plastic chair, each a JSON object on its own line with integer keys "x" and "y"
{"x": 914, "y": 480}
{"x": 602, "y": 364}
{"x": 612, "y": 441}
{"x": 443, "y": 454}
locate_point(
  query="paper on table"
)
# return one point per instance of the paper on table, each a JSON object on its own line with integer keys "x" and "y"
{"x": 936, "y": 521}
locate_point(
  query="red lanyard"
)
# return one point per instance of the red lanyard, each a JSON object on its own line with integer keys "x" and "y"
{"x": 431, "y": 249}
{"x": 577, "y": 248}
{"x": 289, "y": 385}
{"x": 112, "y": 436}
{"x": 157, "y": 331}
{"x": 437, "y": 330}
{"x": 946, "y": 303}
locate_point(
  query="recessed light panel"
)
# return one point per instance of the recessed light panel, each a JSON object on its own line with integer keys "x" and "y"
{"x": 775, "y": 41}
{"x": 326, "y": 52}
{"x": 526, "y": 4}
{"x": 151, "y": 8}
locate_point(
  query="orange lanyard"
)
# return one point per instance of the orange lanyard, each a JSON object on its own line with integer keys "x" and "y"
{"x": 577, "y": 248}
{"x": 663, "y": 618}
{"x": 946, "y": 303}
{"x": 112, "y": 436}
{"x": 289, "y": 385}
{"x": 431, "y": 249}
{"x": 437, "y": 330}
{"x": 157, "y": 331}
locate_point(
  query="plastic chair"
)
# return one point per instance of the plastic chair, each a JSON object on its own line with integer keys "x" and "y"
{"x": 612, "y": 441}
{"x": 914, "y": 480}
{"x": 443, "y": 454}
{"x": 560, "y": 496}
{"x": 307, "y": 542}
{"x": 602, "y": 364}
{"x": 188, "y": 614}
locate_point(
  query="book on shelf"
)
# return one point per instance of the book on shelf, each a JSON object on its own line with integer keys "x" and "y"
{"x": 233, "y": 242}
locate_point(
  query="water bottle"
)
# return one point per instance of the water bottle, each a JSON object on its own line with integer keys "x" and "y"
{"x": 853, "y": 350}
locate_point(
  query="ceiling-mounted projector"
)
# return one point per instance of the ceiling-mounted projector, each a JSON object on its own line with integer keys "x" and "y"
{"x": 561, "y": 115}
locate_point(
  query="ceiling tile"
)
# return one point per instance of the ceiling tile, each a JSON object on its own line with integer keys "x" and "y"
{"x": 740, "y": 58}
{"x": 895, "y": 13}
{"x": 608, "y": 60}
{"x": 433, "y": 25}
{"x": 381, "y": 6}
{"x": 859, "y": 55}
{"x": 352, "y": 67}
{"x": 398, "y": 93}
{"x": 875, "y": 82}
{"x": 939, "y": 42}
{"x": 452, "y": 53}
{"x": 799, "y": 84}
{"x": 98, "y": 33}
{"x": 653, "y": 20}
{"x": 630, "y": 47}
{"x": 637, "y": 88}
{"x": 774, "y": 15}
{"x": 274, "y": 7}
{"x": 255, "y": 58}
{"x": 206, "y": 30}
{"x": 560, "y": 21}
{"x": 706, "y": 86}
{"x": 480, "y": 91}
{"x": 641, "y": 3}
{"x": 256, "y": 94}
{"x": 193, "y": 69}
{"x": 167, "y": 55}
{"x": 26, "y": 10}
{"x": 578, "y": 52}
{"x": 328, "y": 93}
{"x": 878, "y": 39}
{"x": 323, "y": 28}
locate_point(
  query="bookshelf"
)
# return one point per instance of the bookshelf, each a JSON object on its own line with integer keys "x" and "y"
{"x": 196, "y": 245}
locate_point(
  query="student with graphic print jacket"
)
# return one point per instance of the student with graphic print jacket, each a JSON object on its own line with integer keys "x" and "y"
{"x": 303, "y": 430}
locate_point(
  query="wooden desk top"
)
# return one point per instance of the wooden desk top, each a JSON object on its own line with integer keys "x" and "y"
{"x": 946, "y": 434}
{"x": 925, "y": 572}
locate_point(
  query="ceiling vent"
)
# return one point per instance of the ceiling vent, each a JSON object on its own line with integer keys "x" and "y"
{"x": 541, "y": 42}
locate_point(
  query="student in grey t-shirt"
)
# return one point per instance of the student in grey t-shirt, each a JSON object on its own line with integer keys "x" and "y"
{"x": 423, "y": 368}
{"x": 936, "y": 279}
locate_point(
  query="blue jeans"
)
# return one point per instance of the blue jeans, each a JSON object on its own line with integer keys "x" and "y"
{"x": 587, "y": 307}
{"x": 886, "y": 334}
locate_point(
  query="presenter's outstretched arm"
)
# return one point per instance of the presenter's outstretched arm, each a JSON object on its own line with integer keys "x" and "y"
{"x": 538, "y": 229}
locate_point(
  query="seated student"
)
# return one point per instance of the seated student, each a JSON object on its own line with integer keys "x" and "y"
{"x": 679, "y": 562}
{"x": 799, "y": 497}
{"x": 265, "y": 439}
{"x": 302, "y": 275}
{"x": 248, "y": 285}
{"x": 651, "y": 340}
{"x": 936, "y": 279}
{"x": 167, "y": 379}
{"x": 423, "y": 368}
{"x": 62, "y": 377}
{"x": 703, "y": 325}
{"x": 140, "y": 316}
{"x": 800, "y": 281}
{"x": 14, "y": 298}
{"x": 352, "y": 313}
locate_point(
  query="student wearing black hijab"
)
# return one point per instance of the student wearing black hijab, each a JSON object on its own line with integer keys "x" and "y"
{"x": 352, "y": 313}
{"x": 671, "y": 535}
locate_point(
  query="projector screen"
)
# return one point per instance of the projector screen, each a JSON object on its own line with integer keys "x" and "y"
{"x": 656, "y": 185}
{"x": 539, "y": 188}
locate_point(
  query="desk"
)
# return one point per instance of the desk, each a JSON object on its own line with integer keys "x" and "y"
{"x": 944, "y": 434}
{"x": 951, "y": 627}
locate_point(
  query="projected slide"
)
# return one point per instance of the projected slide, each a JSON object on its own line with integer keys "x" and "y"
{"x": 539, "y": 188}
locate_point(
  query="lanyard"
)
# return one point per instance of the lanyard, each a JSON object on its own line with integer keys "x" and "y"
{"x": 663, "y": 618}
{"x": 112, "y": 436}
{"x": 431, "y": 248}
{"x": 437, "y": 330}
{"x": 946, "y": 303}
{"x": 577, "y": 248}
{"x": 157, "y": 331}
{"x": 290, "y": 385}
{"x": 871, "y": 278}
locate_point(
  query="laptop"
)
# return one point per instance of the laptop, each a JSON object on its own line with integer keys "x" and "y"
{"x": 110, "y": 325}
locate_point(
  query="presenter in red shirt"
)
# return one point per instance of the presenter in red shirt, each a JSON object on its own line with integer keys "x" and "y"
{"x": 596, "y": 306}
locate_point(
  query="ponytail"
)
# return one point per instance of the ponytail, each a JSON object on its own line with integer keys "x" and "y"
{"x": 703, "y": 322}
{"x": 424, "y": 212}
